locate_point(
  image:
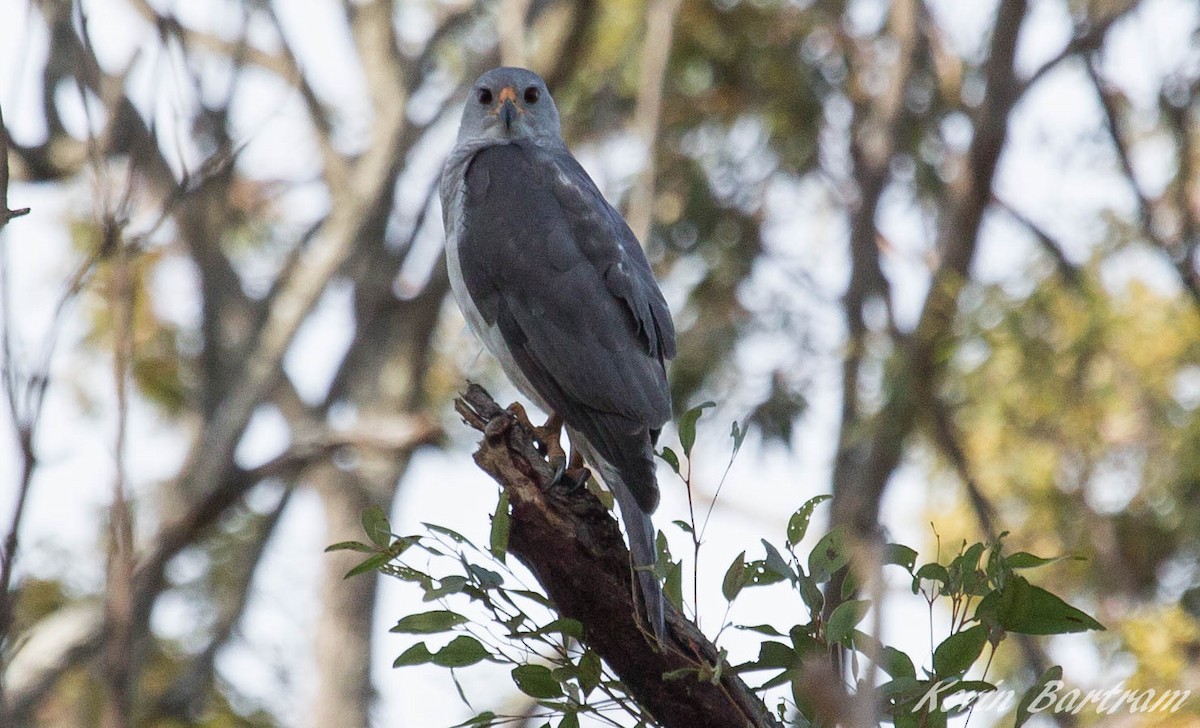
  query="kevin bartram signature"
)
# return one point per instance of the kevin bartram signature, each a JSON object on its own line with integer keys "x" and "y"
{"x": 1054, "y": 698}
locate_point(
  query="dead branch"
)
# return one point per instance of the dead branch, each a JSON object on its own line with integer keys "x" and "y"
{"x": 5, "y": 213}
{"x": 574, "y": 547}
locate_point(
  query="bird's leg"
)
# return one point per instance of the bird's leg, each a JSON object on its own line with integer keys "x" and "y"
{"x": 576, "y": 474}
{"x": 547, "y": 439}
{"x": 568, "y": 472}
{"x": 549, "y": 436}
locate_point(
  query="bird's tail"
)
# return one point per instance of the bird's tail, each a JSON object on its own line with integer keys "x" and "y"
{"x": 631, "y": 480}
{"x": 641, "y": 547}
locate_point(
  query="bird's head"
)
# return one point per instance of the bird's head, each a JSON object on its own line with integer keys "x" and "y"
{"x": 508, "y": 104}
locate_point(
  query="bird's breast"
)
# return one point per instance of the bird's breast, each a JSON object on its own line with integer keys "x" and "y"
{"x": 488, "y": 333}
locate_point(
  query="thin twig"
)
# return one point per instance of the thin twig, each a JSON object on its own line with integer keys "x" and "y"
{"x": 1068, "y": 270}
{"x": 1175, "y": 250}
{"x": 1085, "y": 41}
{"x": 5, "y": 213}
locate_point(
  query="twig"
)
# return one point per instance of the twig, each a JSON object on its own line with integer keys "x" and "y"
{"x": 119, "y": 659}
{"x": 185, "y": 697}
{"x": 1084, "y": 41}
{"x": 1068, "y": 270}
{"x": 20, "y": 421}
{"x": 401, "y": 435}
{"x": 1175, "y": 250}
{"x": 946, "y": 437}
{"x": 5, "y": 213}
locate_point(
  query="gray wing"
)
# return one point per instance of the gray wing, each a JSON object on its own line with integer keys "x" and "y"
{"x": 546, "y": 259}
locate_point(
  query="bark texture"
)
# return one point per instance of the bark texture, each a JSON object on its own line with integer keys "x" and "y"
{"x": 574, "y": 547}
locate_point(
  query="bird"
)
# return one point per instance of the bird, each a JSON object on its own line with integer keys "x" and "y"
{"x": 553, "y": 281}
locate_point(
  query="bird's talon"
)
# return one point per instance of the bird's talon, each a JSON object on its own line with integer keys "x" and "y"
{"x": 571, "y": 480}
{"x": 559, "y": 473}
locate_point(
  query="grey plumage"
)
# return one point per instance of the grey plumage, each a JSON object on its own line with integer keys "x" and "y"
{"x": 553, "y": 281}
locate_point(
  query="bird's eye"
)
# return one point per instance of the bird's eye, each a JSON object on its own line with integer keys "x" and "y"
{"x": 484, "y": 95}
{"x": 532, "y": 94}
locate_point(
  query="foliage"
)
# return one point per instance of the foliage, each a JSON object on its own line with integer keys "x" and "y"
{"x": 494, "y": 617}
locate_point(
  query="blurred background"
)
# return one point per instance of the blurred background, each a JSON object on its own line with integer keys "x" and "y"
{"x": 941, "y": 255}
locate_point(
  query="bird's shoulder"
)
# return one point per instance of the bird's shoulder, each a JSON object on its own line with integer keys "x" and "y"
{"x": 541, "y": 200}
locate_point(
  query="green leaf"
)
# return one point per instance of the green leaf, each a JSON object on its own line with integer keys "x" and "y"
{"x": 1026, "y": 609}
{"x": 454, "y": 535}
{"x": 959, "y": 651}
{"x": 1023, "y": 712}
{"x": 738, "y": 433}
{"x": 684, "y": 526}
{"x": 407, "y": 573}
{"x": 735, "y": 578}
{"x": 570, "y": 720}
{"x": 900, "y": 555}
{"x": 668, "y": 455}
{"x": 844, "y": 618}
{"x": 589, "y": 672}
{"x": 532, "y": 596}
{"x": 829, "y": 555}
{"x": 776, "y": 564}
{"x": 760, "y": 628}
{"x": 371, "y": 563}
{"x": 663, "y": 548}
{"x": 673, "y": 584}
{"x": 1026, "y": 560}
{"x": 375, "y": 523}
{"x": 849, "y": 585}
{"x": 896, "y": 663}
{"x": 486, "y": 578}
{"x": 804, "y": 642}
{"x": 537, "y": 681}
{"x": 486, "y": 718}
{"x": 429, "y": 622}
{"x": 351, "y": 546}
{"x": 418, "y": 654}
{"x": 931, "y": 572}
{"x": 772, "y": 656}
{"x": 798, "y": 523}
{"x": 563, "y": 625}
{"x": 500, "y": 524}
{"x": 687, "y": 426}
{"x": 811, "y": 594}
{"x": 447, "y": 585}
{"x": 463, "y": 650}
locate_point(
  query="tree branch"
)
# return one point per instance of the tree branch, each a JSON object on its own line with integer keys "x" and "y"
{"x": 574, "y": 547}
{"x": 957, "y": 242}
{"x": 5, "y": 213}
{"x": 1066, "y": 269}
{"x": 1175, "y": 250}
{"x": 1087, "y": 38}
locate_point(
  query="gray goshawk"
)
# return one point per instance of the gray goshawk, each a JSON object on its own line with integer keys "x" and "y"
{"x": 554, "y": 282}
